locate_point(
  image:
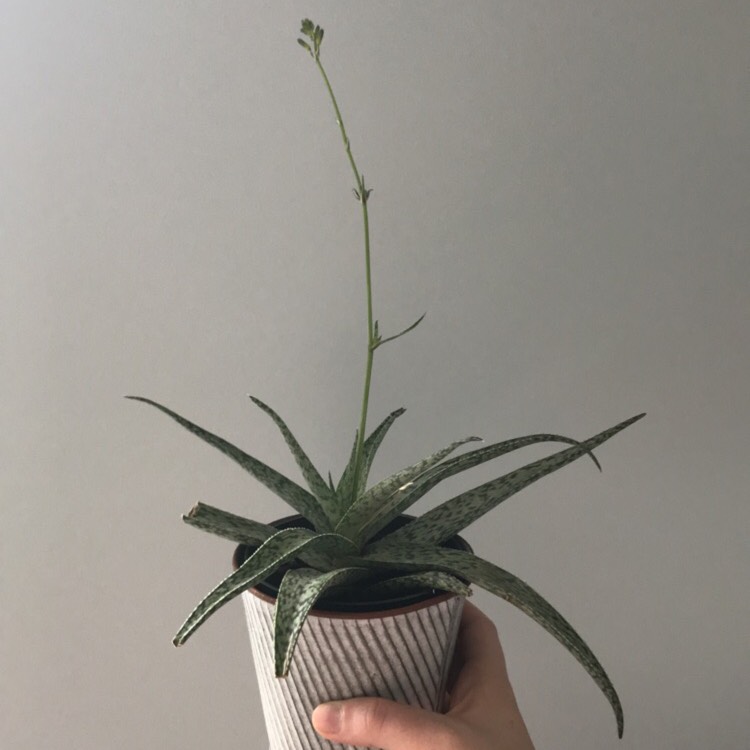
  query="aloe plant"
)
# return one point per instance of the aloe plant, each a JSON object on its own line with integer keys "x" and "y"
{"x": 350, "y": 541}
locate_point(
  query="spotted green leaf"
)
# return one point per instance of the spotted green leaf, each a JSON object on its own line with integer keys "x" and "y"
{"x": 507, "y": 586}
{"x": 299, "y": 498}
{"x": 243, "y": 530}
{"x": 366, "y": 506}
{"x": 450, "y": 517}
{"x": 228, "y": 525}
{"x": 347, "y": 494}
{"x": 283, "y": 546}
{"x": 402, "y": 499}
{"x": 314, "y": 480}
{"x": 431, "y": 579}
{"x": 344, "y": 487}
{"x": 299, "y": 590}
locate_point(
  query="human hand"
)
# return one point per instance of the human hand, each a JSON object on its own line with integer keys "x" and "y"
{"x": 482, "y": 711}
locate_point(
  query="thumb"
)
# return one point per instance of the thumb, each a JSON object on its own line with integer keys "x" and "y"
{"x": 378, "y": 722}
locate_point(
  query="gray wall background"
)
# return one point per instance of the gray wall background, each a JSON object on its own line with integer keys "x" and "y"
{"x": 561, "y": 185}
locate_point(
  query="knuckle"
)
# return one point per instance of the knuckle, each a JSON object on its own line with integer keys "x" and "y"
{"x": 374, "y": 717}
{"x": 488, "y": 629}
{"x": 489, "y": 623}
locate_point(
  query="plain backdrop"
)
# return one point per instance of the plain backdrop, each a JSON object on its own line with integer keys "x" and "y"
{"x": 562, "y": 186}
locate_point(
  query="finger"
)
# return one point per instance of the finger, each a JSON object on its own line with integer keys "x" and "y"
{"x": 478, "y": 670}
{"x": 377, "y": 722}
{"x": 478, "y": 646}
{"x": 478, "y": 642}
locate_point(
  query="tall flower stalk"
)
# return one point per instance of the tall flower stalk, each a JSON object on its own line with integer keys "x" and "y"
{"x": 362, "y": 194}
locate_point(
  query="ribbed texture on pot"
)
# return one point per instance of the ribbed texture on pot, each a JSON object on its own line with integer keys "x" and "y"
{"x": 404, "y": 657}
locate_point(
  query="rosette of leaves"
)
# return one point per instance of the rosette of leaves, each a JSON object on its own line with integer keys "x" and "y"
{"x": 348, "y": 540}
{"x": 345, "y": 516}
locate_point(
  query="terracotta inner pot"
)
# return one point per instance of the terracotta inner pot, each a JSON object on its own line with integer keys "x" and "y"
{"x": 357, "y": 600}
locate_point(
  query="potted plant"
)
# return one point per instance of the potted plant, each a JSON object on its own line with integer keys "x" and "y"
{"x": 351, "y": 596}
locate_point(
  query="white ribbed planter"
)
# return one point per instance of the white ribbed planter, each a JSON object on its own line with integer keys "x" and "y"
{"x": 400, "y": 649}
{"x": 401, "y": 654}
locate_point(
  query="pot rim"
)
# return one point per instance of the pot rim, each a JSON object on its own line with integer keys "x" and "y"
{"x": 375, "y": 614}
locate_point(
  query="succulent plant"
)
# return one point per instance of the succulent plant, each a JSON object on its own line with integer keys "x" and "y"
{"x": 349, "y": 543}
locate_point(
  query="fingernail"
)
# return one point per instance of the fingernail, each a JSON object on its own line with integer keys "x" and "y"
{"x": 327, "y": 718}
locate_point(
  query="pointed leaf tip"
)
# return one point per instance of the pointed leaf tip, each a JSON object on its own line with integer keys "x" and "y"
{"x": 452, "y": 516}
{"x": 300, "y": 499}
{"x": 406, "y": 330}
{"x": 502, "y": 583}
{"x": 325, "y": 496}
{"x": 380, "y": 498}
{"x": 345, "y": 489}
